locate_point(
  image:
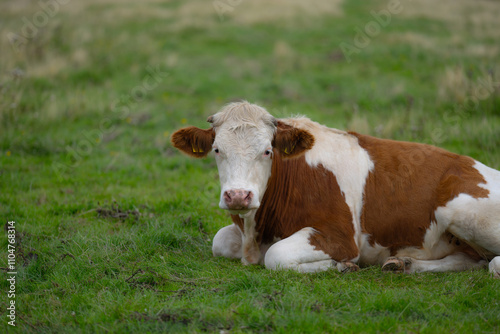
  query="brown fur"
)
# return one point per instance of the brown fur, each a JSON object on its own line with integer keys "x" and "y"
{"x": 409, "y": 182}
{"x": 291, "y": 142}
{"x": 194, "y": 141}
{"x": 299, "y": 196}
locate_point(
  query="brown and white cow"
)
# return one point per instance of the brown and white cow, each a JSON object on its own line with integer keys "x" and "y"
{"x": 307, "y": 197}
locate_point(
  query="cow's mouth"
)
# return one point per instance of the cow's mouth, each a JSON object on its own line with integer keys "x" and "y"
{"x": 241, "y": 211}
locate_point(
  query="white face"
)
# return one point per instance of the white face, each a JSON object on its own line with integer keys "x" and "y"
{"x": 244, "y": 162}
{"x": 243, "y": 152}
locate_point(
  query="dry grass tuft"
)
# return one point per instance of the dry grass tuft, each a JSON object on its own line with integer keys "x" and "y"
{"x": 462, "y": 17}
{"x": 413, "y": 38}
{"x": 479, "y": 17}
{"x": 284, "y": 56}
{"x": 257, "y": 11}
{"x": 456, "y": 85}
{"x": 359, "y": 124}
{"x": 453, "y": 84}
{"x": 248, "y": 12}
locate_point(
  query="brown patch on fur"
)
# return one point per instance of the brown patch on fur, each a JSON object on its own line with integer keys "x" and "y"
{"x": 409, "y": 182}
{"x": 290, "y": 141}
{"x": 299, "y": 196}
{"x": 461, "y": 178}
{"x": 194, "y": 141}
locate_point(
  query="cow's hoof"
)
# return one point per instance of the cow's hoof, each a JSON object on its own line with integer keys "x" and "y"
{"x": 347, "y": 267}
{"x": 396, "y": 265}
{"x": 495, "y": 273}
{"x": 249, "y": 260}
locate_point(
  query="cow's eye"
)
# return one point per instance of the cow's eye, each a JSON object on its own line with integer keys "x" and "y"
{"x": 267, "y": 153}
{"x": 216, "y": 151}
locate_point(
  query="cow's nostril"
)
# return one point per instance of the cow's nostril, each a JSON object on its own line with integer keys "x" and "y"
{"x": 227, "y": 197}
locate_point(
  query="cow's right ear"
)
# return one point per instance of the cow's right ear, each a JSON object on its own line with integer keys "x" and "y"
{"x": 194, "y": 141}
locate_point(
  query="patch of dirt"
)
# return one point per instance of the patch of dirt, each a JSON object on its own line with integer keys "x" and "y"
{"x": 115, "y": 212}
{"x": 164, "y": 317}
{"x": 23, "y": 256}
{"x": 149, "y": 279}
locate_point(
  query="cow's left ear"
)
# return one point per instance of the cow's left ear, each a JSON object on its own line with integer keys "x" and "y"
{"x": 194, "y": 141}
{"x": 290, "y": 141}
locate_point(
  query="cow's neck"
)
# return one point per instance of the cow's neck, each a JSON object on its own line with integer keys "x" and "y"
{"x": 251, "y": 251}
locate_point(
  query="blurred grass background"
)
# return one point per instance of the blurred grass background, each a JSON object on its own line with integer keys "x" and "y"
{"x": 90, "y": 92}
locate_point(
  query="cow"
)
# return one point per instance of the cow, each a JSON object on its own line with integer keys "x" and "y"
{"x": 306, "y": 197}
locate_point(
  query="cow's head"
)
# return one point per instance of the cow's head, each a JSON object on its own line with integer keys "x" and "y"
{"x": 244, "y": 138}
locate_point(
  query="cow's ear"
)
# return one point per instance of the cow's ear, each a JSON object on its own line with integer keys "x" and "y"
{"x": 194, "y": 141}
{"x": 290, "y": 141}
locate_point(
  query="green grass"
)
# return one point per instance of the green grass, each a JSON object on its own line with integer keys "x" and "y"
{"x": 82, "y": 141}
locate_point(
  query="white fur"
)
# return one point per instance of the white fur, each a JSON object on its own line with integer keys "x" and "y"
{"x": 476, "y": 221}
{"x": 372, "y": 255}
{"x": 295, "y": 252}
{"x": 227, "y": 242}
{"x": 494, "y": 267}
{"x": 491, "y": 176}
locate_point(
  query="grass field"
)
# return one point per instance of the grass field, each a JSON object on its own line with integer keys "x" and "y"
{"x": 114, "y": 226}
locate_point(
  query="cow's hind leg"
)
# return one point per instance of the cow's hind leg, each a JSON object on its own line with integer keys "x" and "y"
{"x": 228, "y": 242}
{"x": 296, "y": 252}
{"x": 475, "y": 218}
{"x": 454, "y": 262}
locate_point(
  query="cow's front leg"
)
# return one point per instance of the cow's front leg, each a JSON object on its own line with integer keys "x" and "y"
{"x": 251, "y": 249}
{"x": 494, "y": 267}
{"x": 228, "y": 242}
{"x": 296, "y": 252}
